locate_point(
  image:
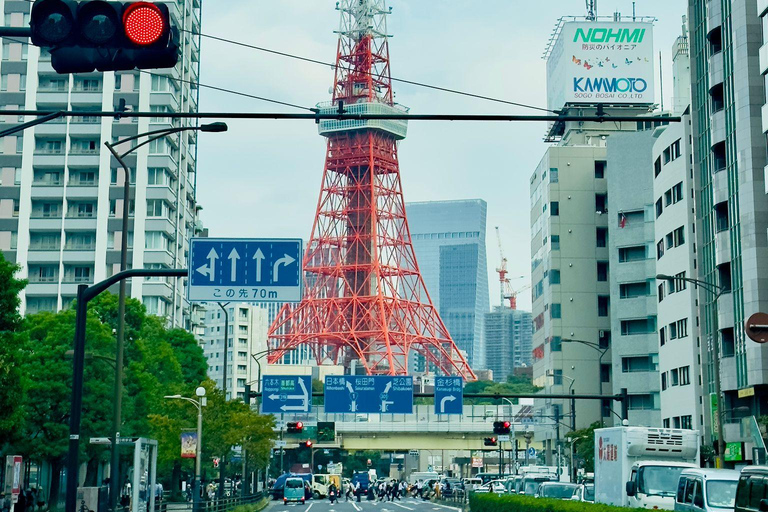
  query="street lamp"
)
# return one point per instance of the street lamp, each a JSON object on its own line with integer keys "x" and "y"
{"x": 717, "y": 291}
{"x": 594, "y": 346}
{"x": 118, "y": 394}
{"x": 199, "y": 403}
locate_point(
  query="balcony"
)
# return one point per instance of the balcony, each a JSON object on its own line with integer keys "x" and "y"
{"x": 714, "y": 15}
{"x": 722, "y": 247}
{"x": 720, "y": 187}
{"x": 717, "y": 127}
{"x": 715, "y": 69}
{"x": 725, "y": 311}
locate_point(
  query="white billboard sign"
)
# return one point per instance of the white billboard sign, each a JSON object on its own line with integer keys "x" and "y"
{"x": 601, "y": 62}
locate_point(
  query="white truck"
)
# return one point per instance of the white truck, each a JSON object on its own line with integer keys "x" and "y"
{"x": 639, "y": 467}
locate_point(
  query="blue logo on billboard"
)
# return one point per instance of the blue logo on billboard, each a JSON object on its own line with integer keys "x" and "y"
{"x": 636, "y": 85}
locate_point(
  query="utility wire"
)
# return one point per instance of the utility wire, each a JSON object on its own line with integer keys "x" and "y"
{"x": 205, "y": 86}
{"x": 334, "y": 66}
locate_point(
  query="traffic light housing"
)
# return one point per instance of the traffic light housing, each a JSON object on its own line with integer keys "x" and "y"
{"x": 502, "y": 427}
{"x": 305, "y": 444}
{"x": 295, "y": 427}
{"x": 490, "y": 441}
{"x": 105, "y": 36}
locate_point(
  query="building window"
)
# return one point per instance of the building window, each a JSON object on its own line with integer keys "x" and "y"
{"x": 557, "y": 378}
{"x": 664, "y": 381}
{"x": 556, "y": 344}
{"x": 600, "y": 169}
{"x": 660, "y": 249}
{"x": 555, "y": 242}
{"x": 685, "y": 378}
{"x": 678, "y": 236}
{"x": 601, "y": 203}
{"x": 662, "y": 336}
{"x": 659, "y": 208}
{"x": 242, "y": 355}
{"x": 674, "y": 377}
{"x": 680, "y": 283}
{"x": 634, "y": 253}
{"x": 632, "y": 290}
{"x": 604, "y": 339}
{"x": 686, "y": 422}
{"x": 554, "y": 208}
{"x": 640, "y": 402}
{"x": 605, "y": 373}
{"x": 660, "y": 293}
{"x": 553, "y": 175}
{"x": 603, "y": 302}
{"x": 637, "y": 364}
{"x": 657, "y": 167}
{"x": 602, "y": 271}
{"x": 554, "y": 276}
{"x": 602, "y": 237}
{"x": 554, "y": 311}
{"x": 638, "y": 326}
{"x": 665, "y": 422}
{"x": 677, "y": 193}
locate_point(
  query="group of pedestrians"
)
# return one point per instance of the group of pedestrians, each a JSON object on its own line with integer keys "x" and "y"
{"x": 28, "y": 500}
{"x": 391, "y": 490}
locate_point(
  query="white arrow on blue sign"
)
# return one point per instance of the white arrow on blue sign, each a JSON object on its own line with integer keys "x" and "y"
{"x": 368, "y": 394}
{"x": 245, "y": 269}
{"x": 449, "y": 395}
{"x": 286, "y": 393}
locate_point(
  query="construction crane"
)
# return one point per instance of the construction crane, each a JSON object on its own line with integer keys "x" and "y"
{"x": 505, "y": 286}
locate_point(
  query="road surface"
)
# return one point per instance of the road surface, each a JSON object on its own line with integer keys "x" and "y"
{"x": 405, "y": 505}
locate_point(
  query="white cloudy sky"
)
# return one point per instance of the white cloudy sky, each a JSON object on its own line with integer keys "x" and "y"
{"x": 262, "y": 178}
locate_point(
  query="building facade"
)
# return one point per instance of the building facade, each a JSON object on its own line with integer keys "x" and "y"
{"x": 246, "y": 347}
{"x": 729, "y": 122}
{"x": 508, "y": 339}
{"x": 631, "y": 305}
{"x": 61, "y": 191}
{"x": 449, "y": 241}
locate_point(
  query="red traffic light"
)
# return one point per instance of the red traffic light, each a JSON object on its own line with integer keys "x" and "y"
{"x": 299, "y": 425}
{"x": 507, "y": 424}
{"x": 308, "y": 444}
{"x": 144, "y": 23}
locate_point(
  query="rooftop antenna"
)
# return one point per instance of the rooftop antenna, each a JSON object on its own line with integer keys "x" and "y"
{"x": 591, "y": 10}
{"x": 661, "y": 82}
{"x": 633, "y": 11}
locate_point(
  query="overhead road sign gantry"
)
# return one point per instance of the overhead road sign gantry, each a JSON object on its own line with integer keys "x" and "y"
{"x": 245, "y": 269}
{"x": 368, "y": 394}
{"x": 449, "y": 395}
{"x": 287, "y": 394}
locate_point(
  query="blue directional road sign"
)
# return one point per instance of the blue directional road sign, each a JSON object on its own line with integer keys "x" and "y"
{"x": 531, "y": 451}
{"x": 369, "y": 394}
{"x": 286, "y": 393}
{"x": 449, "y": 395}
{"x": 245, "y": 269}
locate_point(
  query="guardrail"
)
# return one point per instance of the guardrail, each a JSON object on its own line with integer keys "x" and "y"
{"x": 206, "y": 505}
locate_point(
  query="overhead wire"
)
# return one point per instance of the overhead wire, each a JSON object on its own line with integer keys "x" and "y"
{"x": 394, "y": 79}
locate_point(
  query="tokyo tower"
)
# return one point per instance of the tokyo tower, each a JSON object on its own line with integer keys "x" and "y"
{"x": 364, "y": 297}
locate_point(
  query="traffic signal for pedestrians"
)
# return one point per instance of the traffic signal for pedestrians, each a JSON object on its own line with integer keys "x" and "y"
{"x": 501, "y": 427}
{"x": 104, "y": 36}
{"x": 295, "y": 427}
{"x": 490, "y": 441}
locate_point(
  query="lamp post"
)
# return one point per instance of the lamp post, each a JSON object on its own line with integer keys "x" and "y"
{"x": 199, "y": 403}
{"x": 717, "y": 291}
{"x": 118, "y": 391}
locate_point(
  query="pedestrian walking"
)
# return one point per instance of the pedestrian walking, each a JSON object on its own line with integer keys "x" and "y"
{"x": 357, "y": 490}
{"x": 348, "y": 491}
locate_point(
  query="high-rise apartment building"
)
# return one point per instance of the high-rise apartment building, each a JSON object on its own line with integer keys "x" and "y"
{"x": 674, "y": 207}
{"x": 61, "y": 191}
{"x": 449, "y": 240}
{"x": 729, "y": 121}
{"x": 246, "y": 348}
{"x": 508, "y": 340}
{"x": 631, "y": 305}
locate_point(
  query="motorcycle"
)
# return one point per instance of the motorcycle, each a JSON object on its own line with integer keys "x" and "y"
{"x": 332, "y": 496}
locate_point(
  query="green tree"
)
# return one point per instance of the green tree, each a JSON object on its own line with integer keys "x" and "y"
{"x": 585, "y": 445}
{"x": 513, "y": 385}
{"x": 12, "y": 343}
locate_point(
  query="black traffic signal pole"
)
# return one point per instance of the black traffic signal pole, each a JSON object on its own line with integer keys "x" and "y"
{"x": 84, "y": 295}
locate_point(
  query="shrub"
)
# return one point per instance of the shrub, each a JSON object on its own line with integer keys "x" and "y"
{"x": 513, "y": 503}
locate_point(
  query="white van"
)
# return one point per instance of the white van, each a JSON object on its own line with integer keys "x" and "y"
{"x": 471, "y": 483}
{"x": 706, "y": 490}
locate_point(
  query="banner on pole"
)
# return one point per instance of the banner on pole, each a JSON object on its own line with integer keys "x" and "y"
{"x": 189, "y": 444}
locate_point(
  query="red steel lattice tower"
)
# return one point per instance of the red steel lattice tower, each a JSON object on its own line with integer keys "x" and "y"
{"x": 364, "y": 297}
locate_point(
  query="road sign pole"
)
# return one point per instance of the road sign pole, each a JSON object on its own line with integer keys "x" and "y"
{"x": 223, "y": 464}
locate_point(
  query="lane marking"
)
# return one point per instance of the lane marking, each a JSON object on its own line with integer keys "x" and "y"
{"x": 356, "y": 507}
{"x": 402, "y": 506}
{"x": 456, "y": 509}
{"x": 310, "y": 506}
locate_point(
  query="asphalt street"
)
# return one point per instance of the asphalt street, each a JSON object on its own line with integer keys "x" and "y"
{"x": 405, "y": 505}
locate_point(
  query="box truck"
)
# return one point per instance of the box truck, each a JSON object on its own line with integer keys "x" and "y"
{"x": 639, "y": 467}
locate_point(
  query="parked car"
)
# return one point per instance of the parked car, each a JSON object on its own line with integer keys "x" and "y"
{"x": 706, "y": 490}
{"x": 585, "y": 492}
{"x": 556, "y": 490}
{"x": 295, "y": 490}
